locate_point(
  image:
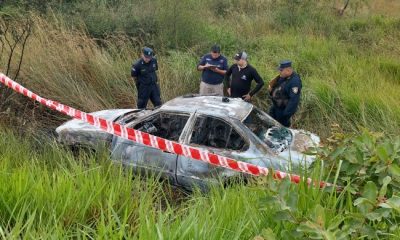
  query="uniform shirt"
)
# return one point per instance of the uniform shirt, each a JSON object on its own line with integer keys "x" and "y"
{"x": 145, "y": 72}
{"x": 209, "y": 76}
{"x": 241, "y": 80}
{"x": 286, "y": 94}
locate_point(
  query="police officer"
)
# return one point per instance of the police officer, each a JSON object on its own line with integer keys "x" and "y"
{"x": 144, "y": 74}
{"x": 242, "y": 74}
{"x": 285, "y": 90}
{"x": 213, "y": 67}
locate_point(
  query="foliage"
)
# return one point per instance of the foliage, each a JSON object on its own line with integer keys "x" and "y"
{"x": 369, "y": 169}
{"x": 340, "y": 80}
{"x": 80, "y": 53}
{"x": 367, "y": 157}
{"x": 47, "y": 192}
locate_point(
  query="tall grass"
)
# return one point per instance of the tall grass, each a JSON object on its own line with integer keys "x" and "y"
{"x": 349, "y": 65}
{"x": 81, "y": 55}
{"x": 48, "y": 192}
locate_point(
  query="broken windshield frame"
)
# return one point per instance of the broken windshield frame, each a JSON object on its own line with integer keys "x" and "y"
{"x": 268, "y": 130}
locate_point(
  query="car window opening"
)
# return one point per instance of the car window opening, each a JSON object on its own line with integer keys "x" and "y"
{"x": 164, "y": 125}
{"x": 215, "y": 133}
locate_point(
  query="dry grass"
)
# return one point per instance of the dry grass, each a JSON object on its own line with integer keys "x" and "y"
{"x": 385, "y": 7}
{"x": 342, "y": 68}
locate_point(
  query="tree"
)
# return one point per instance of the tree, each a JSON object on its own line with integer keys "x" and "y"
{"x": 14, "y": 34}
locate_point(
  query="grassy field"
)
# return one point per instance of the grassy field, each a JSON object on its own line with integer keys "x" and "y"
{"x": 80, "y": 52}
{"x": 349, "y": 64}
{"x": 47, "y": 193}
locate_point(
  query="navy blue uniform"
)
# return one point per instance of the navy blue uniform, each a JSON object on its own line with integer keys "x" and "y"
{"x": 146, "y": 82}
{"x": 210, "y": 77}
{"x": 285, "y": 95}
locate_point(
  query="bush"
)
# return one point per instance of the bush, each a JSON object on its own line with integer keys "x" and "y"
{"x": 368, "y": 167}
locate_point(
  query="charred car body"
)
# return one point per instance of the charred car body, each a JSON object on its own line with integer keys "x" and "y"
{"x": 228, "y": 127}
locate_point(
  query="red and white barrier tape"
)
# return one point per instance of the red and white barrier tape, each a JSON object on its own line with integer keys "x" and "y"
{"x": 153, "y": 141}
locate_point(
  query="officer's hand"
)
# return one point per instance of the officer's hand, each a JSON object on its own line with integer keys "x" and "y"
{"x": 246, "y": 97}
{"x": 214, "y": 69}
{"x": 202, "y": 67}
{"x": 228, "y": 91}
{"x": 207, "y": 65}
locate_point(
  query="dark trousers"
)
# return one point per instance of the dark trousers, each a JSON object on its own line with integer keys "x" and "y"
{"x": 277, "y": 114}
{"x": 146, "y": 92}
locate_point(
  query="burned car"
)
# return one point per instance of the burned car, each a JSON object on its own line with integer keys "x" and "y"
{"x": 228, "y": 127}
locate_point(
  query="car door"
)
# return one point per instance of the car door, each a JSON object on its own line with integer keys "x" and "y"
{"x": 215, "y": 135}
{"x": 147, "y": 160}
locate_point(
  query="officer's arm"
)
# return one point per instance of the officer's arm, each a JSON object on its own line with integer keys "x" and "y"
{"x": 135, "y": 70}
{"x": 259, "y": 81}
{"x": 223, "y": 68}
{"x": 219, "y": 71}
{"x": 201, "y": 64}
{"x": 272, "y": 84}
{"x": 294, "y": 98}
{"x": 227, "y": 77}
{"x": 156, "y": 63}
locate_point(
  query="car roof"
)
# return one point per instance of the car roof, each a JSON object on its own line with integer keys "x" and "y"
{"x": 210, "y": 105}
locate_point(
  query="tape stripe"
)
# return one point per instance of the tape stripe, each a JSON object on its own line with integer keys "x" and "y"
{"x": 153, "y": 141}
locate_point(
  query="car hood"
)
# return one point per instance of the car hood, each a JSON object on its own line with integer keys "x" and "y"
{"x": 289, "y": 148}
{"x": 304, "y": 140}
{"x": 300, "y": 151}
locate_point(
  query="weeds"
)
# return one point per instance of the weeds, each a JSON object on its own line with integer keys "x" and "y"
{"x": 46, "y": 191}
{"x": 80, "y": 54}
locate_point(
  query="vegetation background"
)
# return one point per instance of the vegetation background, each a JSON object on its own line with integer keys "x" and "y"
{"x": 80, "y": 53}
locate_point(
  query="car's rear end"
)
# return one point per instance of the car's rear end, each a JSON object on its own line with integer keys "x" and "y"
{"x": 78, "y": 133}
